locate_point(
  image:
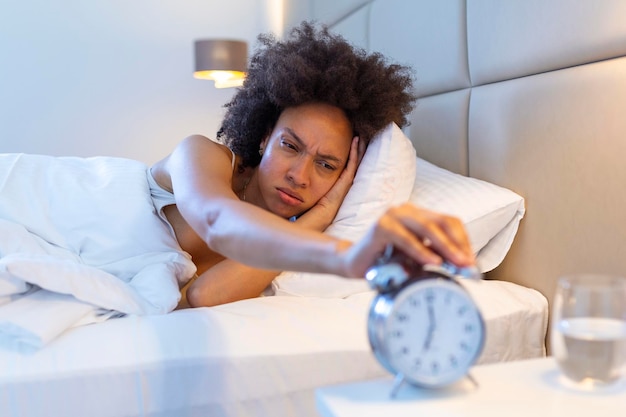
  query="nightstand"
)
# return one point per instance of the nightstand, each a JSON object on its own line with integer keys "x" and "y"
{"x": 529, "y": 388}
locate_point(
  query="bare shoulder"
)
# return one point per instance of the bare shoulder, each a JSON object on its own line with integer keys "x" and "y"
{"x": 200, "y": 142}
{"x": 192, "y": 149}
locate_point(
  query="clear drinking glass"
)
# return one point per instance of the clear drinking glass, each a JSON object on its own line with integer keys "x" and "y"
{"x": 589, "y": 328}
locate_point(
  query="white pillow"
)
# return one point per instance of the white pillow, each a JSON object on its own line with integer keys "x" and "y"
{"x": 385, "y": 178}
{"x": 491, "y": 213}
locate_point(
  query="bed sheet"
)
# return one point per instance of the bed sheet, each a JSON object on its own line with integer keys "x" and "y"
{"x": 258, "y": 357}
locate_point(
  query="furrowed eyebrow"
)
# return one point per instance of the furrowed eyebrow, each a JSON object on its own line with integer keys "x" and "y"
{"x": 332, "y": 158}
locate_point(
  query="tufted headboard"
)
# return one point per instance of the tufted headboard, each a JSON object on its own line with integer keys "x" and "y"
{"x": 526, "y": 94}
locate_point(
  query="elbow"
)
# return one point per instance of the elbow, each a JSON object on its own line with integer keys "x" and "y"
{"x": 204, "y": 293}
{"x": 198, "y": 296}
{"x": 209, "y": 220}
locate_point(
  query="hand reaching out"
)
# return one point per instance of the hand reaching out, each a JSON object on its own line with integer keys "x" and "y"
{"x": 424, "y": 235}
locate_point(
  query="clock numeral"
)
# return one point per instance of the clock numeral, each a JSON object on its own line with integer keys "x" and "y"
{"x": 464, "y": 346}
{"x": 417, "y": 364}
{"x": 434, "y": 367}
{"x": 397, "y": 334}
{"x": 453, "y": 361}
{"x": 430, "y": 297}
{"x": 469, "y": 328}
{"x": 414, "y": 302}
{"x": 401, "y": 317}
{"x": 462, "y": 310}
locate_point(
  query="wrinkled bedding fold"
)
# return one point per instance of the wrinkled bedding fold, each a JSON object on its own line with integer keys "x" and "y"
{"x": 80, "y": 241}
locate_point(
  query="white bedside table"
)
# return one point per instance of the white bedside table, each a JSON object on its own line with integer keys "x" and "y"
{"x": 529, "y": 388}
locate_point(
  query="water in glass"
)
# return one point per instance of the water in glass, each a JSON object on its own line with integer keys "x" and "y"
{"x": 589, "y": 328}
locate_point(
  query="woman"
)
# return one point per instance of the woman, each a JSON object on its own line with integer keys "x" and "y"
{"x": 291, "y": 142}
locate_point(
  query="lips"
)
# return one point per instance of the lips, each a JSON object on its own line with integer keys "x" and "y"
{"x": 290, "y": 197}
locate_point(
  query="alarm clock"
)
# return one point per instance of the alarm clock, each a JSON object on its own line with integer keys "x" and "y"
{"x": 423, "y": 326}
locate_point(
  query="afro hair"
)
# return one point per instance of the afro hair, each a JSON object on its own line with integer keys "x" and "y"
{"x": 313, "y": 65}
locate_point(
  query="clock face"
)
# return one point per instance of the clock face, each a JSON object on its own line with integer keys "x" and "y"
{"x": 433, "y": 332}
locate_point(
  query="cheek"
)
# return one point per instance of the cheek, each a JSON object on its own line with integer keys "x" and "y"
{"x": 270, "y": 170}
{"x": 270, "y": 164}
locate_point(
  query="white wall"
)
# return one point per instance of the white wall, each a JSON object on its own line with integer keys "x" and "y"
{"x": 326, "y": 11}
{"x": 114, "y": 77}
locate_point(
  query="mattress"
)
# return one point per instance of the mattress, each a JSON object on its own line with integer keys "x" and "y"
{"x": 258, "y": 357}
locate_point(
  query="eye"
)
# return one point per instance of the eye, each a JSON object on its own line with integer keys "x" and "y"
{"x": 286, "y": 144}
{"x": 326, "y": 166}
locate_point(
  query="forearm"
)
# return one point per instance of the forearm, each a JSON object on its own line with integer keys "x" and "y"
{"x": 263, "y": 240}
{"x": 247, "y": 234}
{"x": 230, "y": 281}
{"x": 316, "y": 219}
{"x": 226, "y": 282}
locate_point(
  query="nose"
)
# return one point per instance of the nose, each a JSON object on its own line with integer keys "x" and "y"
{"x": 298, "y": 173}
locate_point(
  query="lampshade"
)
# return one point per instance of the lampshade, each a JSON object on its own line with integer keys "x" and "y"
{"x": 221, "y": 60}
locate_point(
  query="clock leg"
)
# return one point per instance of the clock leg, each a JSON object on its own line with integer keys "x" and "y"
{"x": 472, "y": 379}
{"x": 397, "y": 383}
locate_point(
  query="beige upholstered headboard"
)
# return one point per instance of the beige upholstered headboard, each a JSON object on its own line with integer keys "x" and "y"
{"x": 526, "y": 94}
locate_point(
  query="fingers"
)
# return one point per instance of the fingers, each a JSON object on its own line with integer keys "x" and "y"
{"x": 426, "y": 236}
{"x": 332, "y": 200}
{"x": 455, "y": 230}
{"x": 388, "y": 230}
{"x": 354, "y": 159}
{"x": 361, "y": 149}
{"x": 346, "y": 178}
{"x": 414, "y": 233}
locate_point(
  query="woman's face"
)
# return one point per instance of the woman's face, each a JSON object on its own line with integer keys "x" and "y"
{"x": 303, "y": 157}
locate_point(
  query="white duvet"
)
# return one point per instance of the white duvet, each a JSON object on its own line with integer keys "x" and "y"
{"x": 80, "y": 242}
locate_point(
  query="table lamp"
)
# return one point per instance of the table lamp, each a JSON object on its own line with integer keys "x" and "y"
{"x": 221, "y": 60}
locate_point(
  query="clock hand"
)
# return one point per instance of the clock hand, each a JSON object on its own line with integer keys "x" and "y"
{"x": 431, "y": 328}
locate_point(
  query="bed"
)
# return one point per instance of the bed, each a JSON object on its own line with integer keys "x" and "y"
{"x": 64, "y": 355}
{"x": 519, "y": 116}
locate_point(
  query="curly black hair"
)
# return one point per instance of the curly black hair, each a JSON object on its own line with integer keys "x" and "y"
{"x": 314, "y": 65}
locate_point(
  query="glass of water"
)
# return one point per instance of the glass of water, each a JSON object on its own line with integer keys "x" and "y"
{"x": 589, "y": 328}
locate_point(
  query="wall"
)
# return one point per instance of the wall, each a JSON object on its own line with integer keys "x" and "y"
{"x": 327, "y": 11}
{"x": 114, "y": 77}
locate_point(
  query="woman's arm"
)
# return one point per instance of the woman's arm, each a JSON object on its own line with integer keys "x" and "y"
{"x": 200, "y": 173}
{"x": 230, "y": 281}
{"x": 226, "y": 282}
